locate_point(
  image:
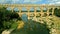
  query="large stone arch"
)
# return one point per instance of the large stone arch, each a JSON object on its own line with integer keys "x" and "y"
{"x": 57, "y": 12}
{"x": 24, "y": 17}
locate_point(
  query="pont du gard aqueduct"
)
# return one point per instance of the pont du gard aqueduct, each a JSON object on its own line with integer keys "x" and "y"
{"x": 34, "y": 14}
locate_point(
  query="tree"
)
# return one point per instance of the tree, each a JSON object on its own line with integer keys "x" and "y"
{"x": 7, "y": 18}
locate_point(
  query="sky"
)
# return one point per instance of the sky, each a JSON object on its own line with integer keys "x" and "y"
{"x": 30, "y": 2}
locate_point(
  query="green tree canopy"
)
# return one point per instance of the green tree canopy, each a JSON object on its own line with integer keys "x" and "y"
{"x": 7, "y": 18}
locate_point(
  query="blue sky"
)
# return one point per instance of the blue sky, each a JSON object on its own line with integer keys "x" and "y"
{"x": 30, "y": 2}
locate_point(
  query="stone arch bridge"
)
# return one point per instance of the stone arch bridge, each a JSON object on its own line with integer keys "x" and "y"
{"x": 35, "y": 14}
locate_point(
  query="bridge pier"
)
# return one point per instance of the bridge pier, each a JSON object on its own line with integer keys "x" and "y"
{"x": 53, "y": 11}
{"x": 28, "y": 9}
{"x": 20, "y": 9}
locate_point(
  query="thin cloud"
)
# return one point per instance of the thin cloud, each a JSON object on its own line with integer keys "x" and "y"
{"x": 53, "y": 2}
{"x": 31, "y": 1}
